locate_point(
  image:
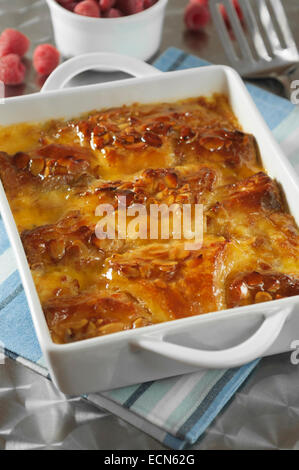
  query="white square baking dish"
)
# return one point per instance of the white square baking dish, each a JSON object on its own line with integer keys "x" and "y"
{"x": 222, "y": 339}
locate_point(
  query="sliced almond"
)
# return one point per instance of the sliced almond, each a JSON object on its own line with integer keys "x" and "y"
{"x": 111, "y": 328}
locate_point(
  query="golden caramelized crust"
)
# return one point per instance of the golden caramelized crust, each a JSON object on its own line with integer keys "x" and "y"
{"x": 170, "y": 280}
{"x": 93, "y": 313}
{"x": 190, "y": 184}
{"x": 47, "y": 167}
{"x": 69, "y": 242}
{"x": 254, "y": 287}
{"x": 240, "y": 207}
{"x": 56, "y": 174}
{"x": 251, "y": 212}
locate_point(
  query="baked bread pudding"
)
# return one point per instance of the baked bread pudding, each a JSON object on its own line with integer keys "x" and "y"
{"x": 56, "y": 174}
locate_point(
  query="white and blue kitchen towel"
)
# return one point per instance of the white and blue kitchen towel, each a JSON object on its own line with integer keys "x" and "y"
{"x": 178, "y": 410}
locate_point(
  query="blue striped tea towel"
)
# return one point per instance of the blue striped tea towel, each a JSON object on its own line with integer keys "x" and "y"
{"x": 175, "y": 411}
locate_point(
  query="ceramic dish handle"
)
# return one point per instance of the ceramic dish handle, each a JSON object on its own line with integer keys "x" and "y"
{"x": 72, "y": 67}
{"x": 245, "y": 352}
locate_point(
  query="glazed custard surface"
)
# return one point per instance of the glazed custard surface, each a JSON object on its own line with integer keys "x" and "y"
{"x": 56, "y": 174}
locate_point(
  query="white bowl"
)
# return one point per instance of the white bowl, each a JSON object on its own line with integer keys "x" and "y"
{"x": 136, "y": 35}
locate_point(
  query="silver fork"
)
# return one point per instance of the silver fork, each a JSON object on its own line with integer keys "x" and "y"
{"x": 270, "y": 51}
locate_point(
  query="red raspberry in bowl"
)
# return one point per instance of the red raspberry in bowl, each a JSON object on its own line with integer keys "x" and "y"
{"x": 148, "y": 3}
{"x": 113, "y": 13}
{"x": 88, "y": 8}
{"x": 13, "y": 42}
{"x": 68, "y": 4}
{"x": 45, "y": 59}
{"x": 130, "y": 7}
{"x": 12, "y": 70}
{"x": 106, "y": 5}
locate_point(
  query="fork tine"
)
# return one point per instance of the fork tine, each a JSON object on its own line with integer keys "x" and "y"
{"x": 222, "y": 31}
{"x": 268, "y": 26}
{"x": 253, "y": 27}
{"x": 271, "y": 50}
{"x": 238, "y": 30}
{"x": 283, "y": 23}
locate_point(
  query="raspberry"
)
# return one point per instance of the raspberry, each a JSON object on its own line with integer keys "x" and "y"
{"x": 68, "y": 4}
{"x": 238, "y": 9}
{"x": 196, "y": 16}
{"x": 12, "y": 70}
{"x": 205, "y": 3}
{"x": 13, "y": 42}
{"x": 113, "y": 13}
{"x": 148, "y": 3}
{"x": 225, "y": 15}
{"x": 88, "y": 8}
{"x": 106, "y": 5}
{"x": 45, "y": 59}
{"x": 130, "y": 7}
